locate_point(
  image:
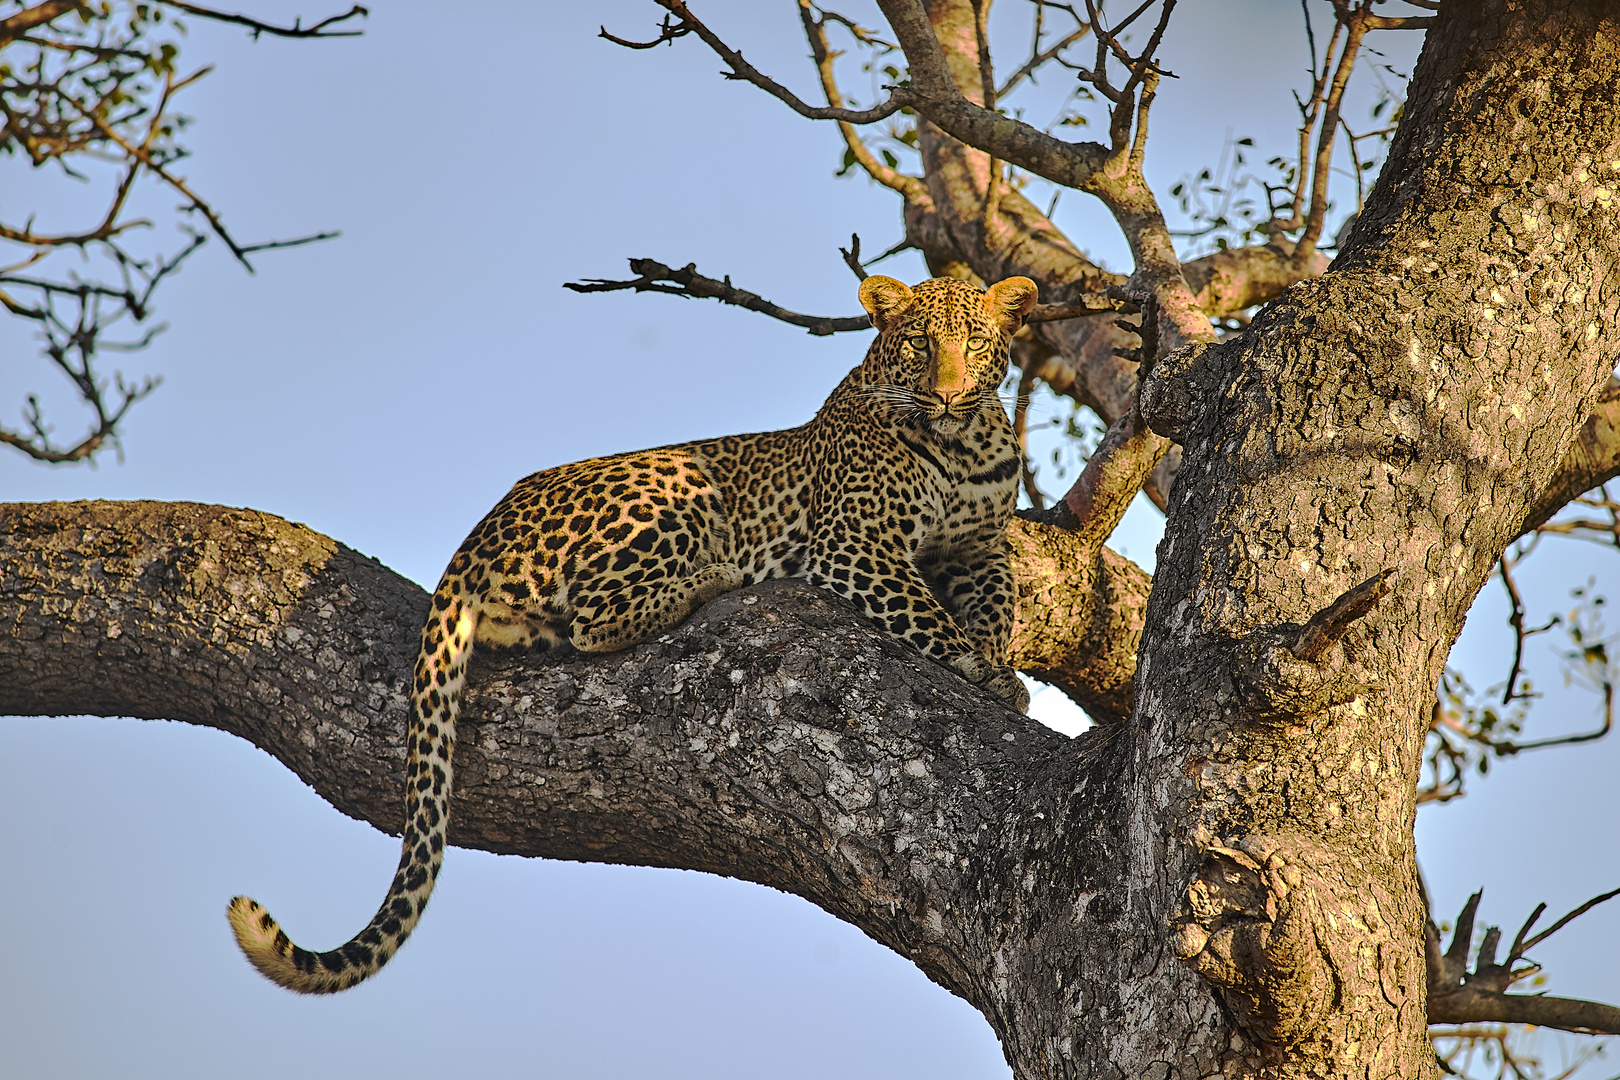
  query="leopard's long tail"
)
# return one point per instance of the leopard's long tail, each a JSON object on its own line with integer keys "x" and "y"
{"x": 441, "y": 668}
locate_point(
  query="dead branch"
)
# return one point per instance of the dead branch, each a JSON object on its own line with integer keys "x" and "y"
{"x": 1334, "y": 621}
{"x": 1460, "y": 996}
{"x": 1039, "y": 57}
{"x": 852, "y": 257}
{"x": 654, "y": 276}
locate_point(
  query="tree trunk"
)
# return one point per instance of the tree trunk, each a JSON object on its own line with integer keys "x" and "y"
{"x": 1399, "y": 415}
{"x": 1223, "y": 885}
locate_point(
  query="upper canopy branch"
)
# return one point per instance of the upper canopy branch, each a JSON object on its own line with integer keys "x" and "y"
{"x": 934, "y": 94}
{"x": 687, "y": 23}
{"x": 912, "y": 188}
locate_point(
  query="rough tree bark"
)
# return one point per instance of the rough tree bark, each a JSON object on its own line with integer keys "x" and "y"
{"x": 1398, "y": 414}
{"x": 1223, "y": 884}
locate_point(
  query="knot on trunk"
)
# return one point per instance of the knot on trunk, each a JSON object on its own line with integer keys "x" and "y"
{"x": 1249, "y": 926}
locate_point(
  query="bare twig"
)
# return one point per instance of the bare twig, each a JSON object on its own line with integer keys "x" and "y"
{"x": 1516, "y": 621}
{"x": 1508, "y": 748}
{"x": 86, "y": 88}
{"x": 1026, "y": 386}
{"x": 276, "y": 245}
{"x": 1040, "y": 57}
{"x": 256, "y": 27}
{"x": 815, "y": 32}
{"x": 667, "y": 33}
{"x": 142, "y": 154}
{"x": 653, "y": 276}
{"x": 852, "y": 257}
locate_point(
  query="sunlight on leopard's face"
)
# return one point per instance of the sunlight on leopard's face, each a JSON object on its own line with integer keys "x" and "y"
{"x": 941, "y": 351}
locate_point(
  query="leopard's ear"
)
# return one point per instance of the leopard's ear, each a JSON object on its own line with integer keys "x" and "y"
{"x": 884, "y": 298}
{"x": 1011, "y": 300}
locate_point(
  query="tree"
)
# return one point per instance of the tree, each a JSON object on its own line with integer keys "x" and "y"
{"x": 90, "y": 91}
{"x": 1001, "y": 837}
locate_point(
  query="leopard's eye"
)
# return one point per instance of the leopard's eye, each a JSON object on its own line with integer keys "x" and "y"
{"x": 977, "y": 341}
{"x": 918, "y": 343}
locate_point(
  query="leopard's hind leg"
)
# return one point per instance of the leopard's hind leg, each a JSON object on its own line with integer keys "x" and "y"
{"x": 612, "y": 612}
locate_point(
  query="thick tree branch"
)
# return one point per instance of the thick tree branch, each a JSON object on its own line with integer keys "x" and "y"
{"x": 1081, "y": 611}
{"x": 776, "y": 736}
{"x": 1124, "y": 460}
{"x": 933, "y": 93}
{"x": 1593, "y": 459}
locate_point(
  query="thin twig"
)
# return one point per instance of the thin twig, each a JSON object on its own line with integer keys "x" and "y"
{"x": 852, "y": 257}
{"x": 744, "y": 71}
{"x": 296, "y": 30}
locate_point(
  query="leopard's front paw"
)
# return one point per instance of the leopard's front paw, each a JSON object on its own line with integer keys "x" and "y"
{"x": 999, "y": 679}
{"x": 1007, "y": 686}
{"x": 714, "y": 579}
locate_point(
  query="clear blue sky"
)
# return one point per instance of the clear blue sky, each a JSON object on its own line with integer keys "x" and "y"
{"x": 386, "y": 389}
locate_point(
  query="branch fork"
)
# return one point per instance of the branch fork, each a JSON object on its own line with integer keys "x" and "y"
{"x": 1460, "y": 996}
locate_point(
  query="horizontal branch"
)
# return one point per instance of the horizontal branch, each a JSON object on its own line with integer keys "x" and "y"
{"x": 1541, "y": 1010}
{"x": 775, "y": 736}
{"x": 654, "y": 276}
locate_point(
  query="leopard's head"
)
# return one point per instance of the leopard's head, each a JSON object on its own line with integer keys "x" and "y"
{"x": 941, "y": 350}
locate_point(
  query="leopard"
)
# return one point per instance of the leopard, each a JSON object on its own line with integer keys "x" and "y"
{"x": 895, "y": 496}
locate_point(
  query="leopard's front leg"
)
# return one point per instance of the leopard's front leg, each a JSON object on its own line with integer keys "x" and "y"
{"x": 975, "y": 583}
{"x": 891, "y": 591}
